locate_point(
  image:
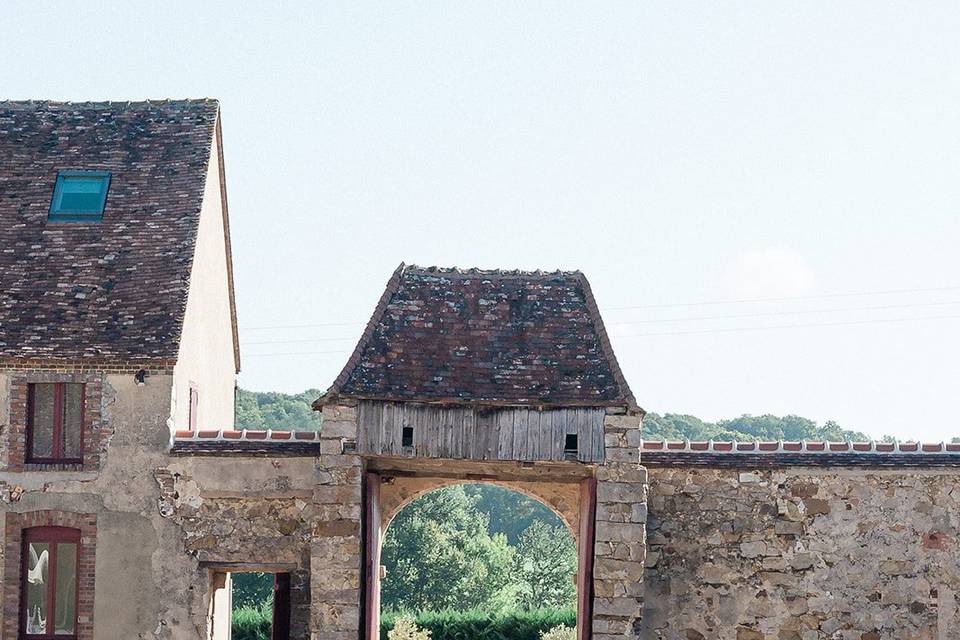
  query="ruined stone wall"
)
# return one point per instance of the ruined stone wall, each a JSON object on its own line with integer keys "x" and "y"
{"x": 802, "y": 554}
{"x": 620, "y": 548}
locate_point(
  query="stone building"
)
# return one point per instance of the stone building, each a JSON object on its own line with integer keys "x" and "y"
{"x": 129, "y": 499}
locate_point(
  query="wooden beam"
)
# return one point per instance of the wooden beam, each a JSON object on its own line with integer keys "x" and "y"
{"x": 585, "y": 551}
{"x": 371, "y": 558}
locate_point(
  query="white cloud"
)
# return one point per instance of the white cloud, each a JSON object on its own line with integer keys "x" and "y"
{"x": 772, "y": 272}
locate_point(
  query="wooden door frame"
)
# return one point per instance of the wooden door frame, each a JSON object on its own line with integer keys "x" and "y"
{"x": 371, "y": 557}
{"x": 370, "y": 576}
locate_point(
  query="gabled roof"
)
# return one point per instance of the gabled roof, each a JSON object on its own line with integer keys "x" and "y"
{"x": 114, "y": 290}
{"x": 509, "y": 338}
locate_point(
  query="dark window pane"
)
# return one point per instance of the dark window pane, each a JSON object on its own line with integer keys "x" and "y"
{"x": 38, "y": 575}
{"x": 65, "y": 606}
{"x": 72, "y": 419}
{"x": 43, "y": 419}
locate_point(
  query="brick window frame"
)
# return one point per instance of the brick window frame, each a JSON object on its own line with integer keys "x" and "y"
{"x": 91, "y": 429}
{"x": 15, "y": 528}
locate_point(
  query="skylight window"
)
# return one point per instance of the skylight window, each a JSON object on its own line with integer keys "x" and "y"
{"x": 79, "y": 195}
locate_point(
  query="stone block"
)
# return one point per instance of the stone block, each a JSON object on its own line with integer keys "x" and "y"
{"x": 622, "y": 454}
{"x": 340, "y": 617}
{"x": 612, "y": 569}
{"x": 337, "y": 494}
{"x": 620, "y": 607}
{"x": 622, "y": 422}
{"x": 619, "y": 492}
{"x": 338, "y": 429}
{"x": 620, "y": 532}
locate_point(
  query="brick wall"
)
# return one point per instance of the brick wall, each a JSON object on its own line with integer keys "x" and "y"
{"x": 94, "y": 423}
{"x": 12, "y": 565}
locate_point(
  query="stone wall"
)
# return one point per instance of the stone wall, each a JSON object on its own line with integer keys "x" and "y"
{"x": 336, "y": 537}
{"x": 802, "y": 554}
{"x": 620, "y": 548}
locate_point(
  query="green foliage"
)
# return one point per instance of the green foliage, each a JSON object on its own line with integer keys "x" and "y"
{"x": 510, "y": 512}
{"x": 559, "y": 633}
{"x": 673, "y": 426}
{"x": 439, "y": 553}
{"x": 252, "y": 622}
{"x": 279, "y": 411}
{"x": 251, "y": 589}
{"x": 404, "y": 628}
{"x": 546, "y": 563}
{"x": 476, "y": 624}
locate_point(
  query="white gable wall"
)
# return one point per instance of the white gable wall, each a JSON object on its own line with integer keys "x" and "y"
{"x": 206, "y": 357}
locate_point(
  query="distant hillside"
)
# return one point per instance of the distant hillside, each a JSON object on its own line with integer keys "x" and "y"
{"x": 269, "y": 409}
{"x": 273, "y": 410}
{"x": 672, "y": 426}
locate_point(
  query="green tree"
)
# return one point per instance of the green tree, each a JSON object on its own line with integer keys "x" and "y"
{"x": 438, "y": 553}
{"x": 509, "y": 512}
{"x": 673, "y": 426}
{"x": 546, "y": 563}
{"x": 278, "y": 411}
{"x": 252, "y": 589}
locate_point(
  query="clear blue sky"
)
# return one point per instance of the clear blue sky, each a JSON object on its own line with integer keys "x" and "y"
{"x": 675, "y": 152}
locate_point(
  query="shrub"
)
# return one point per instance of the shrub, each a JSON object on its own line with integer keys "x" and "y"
{"x": 559, "y": 633}
{"x": 404, "y": 628}
{"x": 474, "y": 624}
{"x": 252, "y": 623}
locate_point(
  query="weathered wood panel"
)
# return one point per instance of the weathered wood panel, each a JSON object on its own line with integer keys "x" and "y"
{"x": 467, "y": 433}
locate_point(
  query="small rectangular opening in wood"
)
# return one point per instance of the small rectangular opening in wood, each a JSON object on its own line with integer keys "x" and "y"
{"x": 570, "y": 443}
{"x": 406, "y": 438}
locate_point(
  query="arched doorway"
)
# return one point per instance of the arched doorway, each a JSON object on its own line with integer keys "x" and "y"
{"x": 571, "y": 505}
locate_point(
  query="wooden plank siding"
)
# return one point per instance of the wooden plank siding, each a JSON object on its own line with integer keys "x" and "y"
{"x": 469, "y": 433}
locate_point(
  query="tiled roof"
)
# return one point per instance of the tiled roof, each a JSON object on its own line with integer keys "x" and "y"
{"x": 109, "y": 290}
{"x": 485, "y": 337}
{"x": 246, "y": 442}
{"x": 778, "y": 454}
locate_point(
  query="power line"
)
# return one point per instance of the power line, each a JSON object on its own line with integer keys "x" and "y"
{"x": 293, "y": 353}
{"x": 787, "y": 313}
{"x": 354, "y": 338}
{"x": 303, "y": 326}
{"x": 784, "y": 299}
{"x": 704, "y": 303}
{"x": 679, "y": 333}
{"x": 783, "y": 326}
{"x": 664, "y": 320}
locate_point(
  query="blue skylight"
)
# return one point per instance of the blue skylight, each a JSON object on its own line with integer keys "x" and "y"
{"x": 79, "y": 195}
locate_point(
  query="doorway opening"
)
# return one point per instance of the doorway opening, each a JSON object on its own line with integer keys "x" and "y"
{"x": 257, "y": 605}
{"x": 476, "y": 559}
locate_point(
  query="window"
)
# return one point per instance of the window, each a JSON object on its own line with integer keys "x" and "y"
{"x": 406, "y": 437}
{"x": 79, "y": 196}
{"x": 55, "y": 422}
{"x": 49, "y": 593}
{"x": 194, "y": 402}
{"x": 570, "y": 445}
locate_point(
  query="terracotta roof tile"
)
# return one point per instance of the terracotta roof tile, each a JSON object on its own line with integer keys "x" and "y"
{"x": 474, "y": 336}
{"x": 114, "y": 289}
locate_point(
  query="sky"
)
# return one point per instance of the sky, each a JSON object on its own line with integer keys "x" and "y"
{"x": 764, "y": 195}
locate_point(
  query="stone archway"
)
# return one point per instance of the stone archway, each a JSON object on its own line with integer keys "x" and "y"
{"x": 573, "y": 501}
{"x": 563, "y": 499}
